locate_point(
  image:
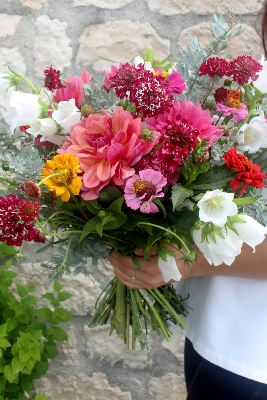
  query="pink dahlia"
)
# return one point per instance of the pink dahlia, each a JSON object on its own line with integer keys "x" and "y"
{"x": 107, "y": 147}
{"x": 233, "y": 107}
{"x": 73, "y": 90}
{"x": 140, "y": 190}
{"x": 180, "y": 131}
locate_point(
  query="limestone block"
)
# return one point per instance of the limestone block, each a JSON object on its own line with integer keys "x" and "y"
{"x": 170, "y": 386}
{"x": 110, "y": 348}
{"x": 69, "y": 349}
{"x": 8, "y": 24}
{"x": 118, "y": 41}
{"x": 80, "y": 387}
{"x": 203, "y": 7}
{"x": 176, "y": 344}
{"x": 248, "y": 42}
{"x": 51, "y": 45}
{"x": 114, "y": 4}
{"x": 12, "y": 58}
{"x": 84, "y": 290}
{"x": 33, "y": 3}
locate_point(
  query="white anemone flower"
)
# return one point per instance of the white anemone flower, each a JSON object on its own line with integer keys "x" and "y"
{"x": 250, "y": 232}
{"x": 223, "y": 251}
{"x": 67, "y": 115}
{"x": 138, "y": 60}
{"x": 45, "y": 127}
{"x": 254, "y": 134}
{"x": 215, "y": 206}
{"x": 22, "y": 109}
{"x": 261, "y": 82}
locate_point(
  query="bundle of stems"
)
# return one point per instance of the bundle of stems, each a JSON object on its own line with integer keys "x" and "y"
{"x": 138, "y": 308}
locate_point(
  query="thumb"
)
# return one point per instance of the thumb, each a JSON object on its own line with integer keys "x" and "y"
{"x": 139, "y": 252}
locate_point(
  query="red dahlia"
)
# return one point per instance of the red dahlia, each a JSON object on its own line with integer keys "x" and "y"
{"x": 247, "y": 172}
{"x": 52, "y": 81}
{"x": 244, "y": 68}
{"x": 14, "y": 229}
{"x": 214, "y": 66}
{"x": 220, "y": 94}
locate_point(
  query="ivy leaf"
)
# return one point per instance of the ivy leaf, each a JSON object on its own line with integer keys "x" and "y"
{"x": 179, "y": 194}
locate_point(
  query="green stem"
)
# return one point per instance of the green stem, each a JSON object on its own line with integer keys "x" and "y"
{"x": 66, "y": 255}
{"x": 166, "y": 230}
{"x": 207, "y": 95}
{"x": 133, "y": 334}
{"x": 165, "y": 333}
{"x": 55, "y": 234}
{"x": 120, "y": 309}
{"x": 21, "y": 247}
{"x": 128, "y": 309}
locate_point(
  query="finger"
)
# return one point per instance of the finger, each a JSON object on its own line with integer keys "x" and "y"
{"x": 141, "y": 278}
{"x": 132, "y": 284}
{"x": 139, "y": 252}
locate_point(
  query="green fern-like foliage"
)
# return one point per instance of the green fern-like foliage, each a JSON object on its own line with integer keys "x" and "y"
{"x": 96, "y": 96}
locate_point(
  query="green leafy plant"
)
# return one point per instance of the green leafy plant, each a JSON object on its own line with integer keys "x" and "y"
{"x": 26, "y": 343}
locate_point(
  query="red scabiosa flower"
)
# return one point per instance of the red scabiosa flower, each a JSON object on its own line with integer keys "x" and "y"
{"x": 14, "y": 229}
{"x": 151, "y": 94}
{"x": 243, "y": 68}
{"x": 52, "y": 80}
{"x": 141, "y": 190}
{"x": 28, "y": 209}
{"x": 247, "y": 172}
{"x": 214, "y": 66}
{"x": 30, "y": 189}
{"x": 220, "y": 94}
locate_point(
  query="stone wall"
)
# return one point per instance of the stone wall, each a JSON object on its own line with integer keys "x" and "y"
{"x": 94, "y": 34}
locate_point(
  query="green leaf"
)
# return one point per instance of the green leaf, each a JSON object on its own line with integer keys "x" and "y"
{"x": 185, "y": 218}
{"x": 22, "y": 316}
{"x": 61, "y": 315}
{"x": 62, "y": 296}
{"x": 108, "y": 194}
{"x": 15, "y": 349}
{"x": 30, "y": 287}
{"x": 26, "y": 383}
{"x": 28, "y": 301}
{"x": 4, "y": 343}
{"x": 24, "y": 355}
{"x": 2, "y": 369}
{"x": 116, "y": 206}
{"x": 11, "y": 324}
{"x": 58, "y": 333}
{"x": 99, "y": 228}
{"x": 17, "y": 365}
{"x": 156, "y": 235}
{"x": 21, "y": 290}
{"x": 3, "y": 329}
{"x": 10, "y": 274}
{"x": 50, "y": 349}
{"x": 7, "y": 250}
{"x": 44, "y": 248}
{"x": 213, "y": 179}
{"x": 57, "y": 286}
{"x": 37, "y": 334}
{"x": 40, "y": 397}
{"x": 2, "y": 385}
{"x": 35, "y": 353}
{"x": 44, "y": 313}
{"x": 89, "y": 227}
{"x": 93, "y": 206}
{"x": 9, "y": 375}
{"x": 179, "y": 194}
{"x": 40, "y": 369}
{"x": 138, "y": 240}
{"x": 49, "y": 296}
{"x": 245, "y": 200}
{"x": 37, "y": 326}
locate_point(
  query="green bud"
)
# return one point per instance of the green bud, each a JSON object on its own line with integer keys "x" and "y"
{"x": 86, "y": 110}
{"x": 190, "y": 256}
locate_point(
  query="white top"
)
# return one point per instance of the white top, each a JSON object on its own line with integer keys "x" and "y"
{"x": 228, "y": 323}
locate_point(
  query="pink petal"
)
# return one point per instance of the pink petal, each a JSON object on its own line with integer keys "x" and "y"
{"x": 103, "y": 170}
{"x": 115, "y": 153}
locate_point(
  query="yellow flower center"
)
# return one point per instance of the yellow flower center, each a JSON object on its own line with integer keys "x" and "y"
{"x": 141, "y": 187}
{"x": 66, "y": 172}
{"x": 164, "y": 74}
{"x": 214, "y": 202}
{"x": 234, "y": 103}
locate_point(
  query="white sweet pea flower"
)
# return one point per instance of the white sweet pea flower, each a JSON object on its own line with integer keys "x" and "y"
{"x": 250, "y": 232}
{"x": 223, "y": 251}
{"x": 67, "y": 115}
{"x": 254, "y": 134}
{"x": 261, "y": 82}
{"x": 216, "y": 206}
{"x": 22, "y": 109}
{"x": 45, "y": 127}
{"x": 138, "y": 60}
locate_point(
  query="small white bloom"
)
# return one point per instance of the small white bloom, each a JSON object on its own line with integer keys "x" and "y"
{"x": 22, "y": 109}
{"x": 254, "y": 134}
{"x": 251, "y": 232}
{"x": 216, "y": 206}
{"x": 138, "y": 60}
{"x": 169, "y": 269}
{"x": 67, "y": 115}
{"x": 261, "y": 82}
{"x": 223, "y": 251}
{"x": 4, "y": 85}
{"x": 45, "y": 127}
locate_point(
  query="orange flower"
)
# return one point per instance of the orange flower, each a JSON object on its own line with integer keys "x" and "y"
{"x": 67, "y": 166}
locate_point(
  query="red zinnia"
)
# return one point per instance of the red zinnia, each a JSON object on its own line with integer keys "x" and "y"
{"x": 244, "y": 68}
{"x": 52, "y": 80}
{"x": 214, "y": 66}
{"x": 248, "y": 173}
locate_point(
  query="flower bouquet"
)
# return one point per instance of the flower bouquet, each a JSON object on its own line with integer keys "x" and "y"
{"x": 157, "y": 156}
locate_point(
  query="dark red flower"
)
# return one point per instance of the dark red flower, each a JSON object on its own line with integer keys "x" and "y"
{"x": 247, "y": 172}
{"x": 28, "y": 209}
{"x": 30, "y": 189}
{"x": 14, "y": 229}
{"x": 243, "y": 68}
{"x": 151, "y": 94}
{"x": 214, "y": 66}
{"x": 220, "y": 94}
{"x": 52, "y": 80}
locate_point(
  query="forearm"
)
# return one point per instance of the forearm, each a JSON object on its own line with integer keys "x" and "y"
{"x": 246, "y": 265}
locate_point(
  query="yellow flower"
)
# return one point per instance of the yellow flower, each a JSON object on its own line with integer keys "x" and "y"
{"x": 67, "y": 166}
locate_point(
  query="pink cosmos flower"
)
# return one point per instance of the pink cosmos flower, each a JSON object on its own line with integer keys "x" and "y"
{"x": 73, "y": 90}
{"x": 180, "y": 129}
{"x": 233, "y": 107}
{"x": 107, "y": 147}
{"x": 140, "y": 190}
